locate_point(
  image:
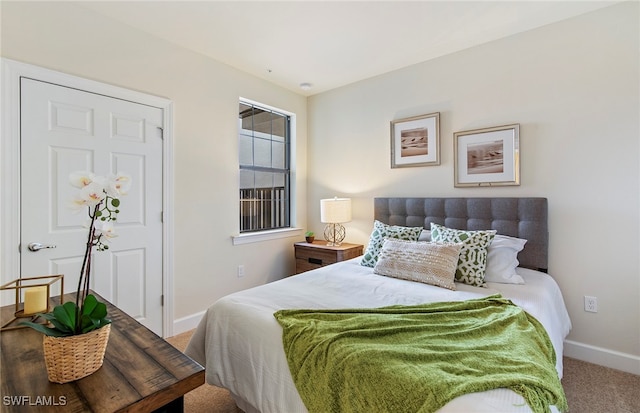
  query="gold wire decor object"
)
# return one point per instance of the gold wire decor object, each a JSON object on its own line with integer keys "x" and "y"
{"x": 74, "y": 357}
{"x": 334, "y": 234}
{"x": 20, "y": 286}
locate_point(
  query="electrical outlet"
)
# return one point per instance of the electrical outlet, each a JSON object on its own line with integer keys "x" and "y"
{"x": 240, "y": 271}
{"x": 590, "y": 304}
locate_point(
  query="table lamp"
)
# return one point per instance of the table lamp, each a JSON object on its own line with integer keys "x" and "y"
{"x": 334, "y": 212}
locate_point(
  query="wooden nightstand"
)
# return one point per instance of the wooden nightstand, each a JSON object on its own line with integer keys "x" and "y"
{"x": 310, "y": 256}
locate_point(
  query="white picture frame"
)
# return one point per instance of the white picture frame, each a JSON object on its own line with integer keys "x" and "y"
{"x": 487, "y": 157}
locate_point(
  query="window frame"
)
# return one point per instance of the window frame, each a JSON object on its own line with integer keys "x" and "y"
{"x": 281, "y": 232}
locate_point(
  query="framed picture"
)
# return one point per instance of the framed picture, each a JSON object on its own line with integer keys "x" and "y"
{"x": 487, "y": 157}
{"x": 415, "y": 141}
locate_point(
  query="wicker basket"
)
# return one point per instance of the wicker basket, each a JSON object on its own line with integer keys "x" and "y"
{"x": 74, "y": 357}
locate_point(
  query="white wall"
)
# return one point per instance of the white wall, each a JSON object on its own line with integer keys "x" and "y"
{"x": 573, "y": 87}
{"x": 74, "y": 40}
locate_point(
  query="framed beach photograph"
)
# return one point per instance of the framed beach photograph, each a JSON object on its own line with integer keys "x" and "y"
{"x": 487, "y": 157}
{"x": 415, "y": 141}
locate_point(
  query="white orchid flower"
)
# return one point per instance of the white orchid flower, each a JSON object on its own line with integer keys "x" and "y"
{"x": 105, "y": 228}
{"x": 119, "y": 185}
{"x": 80, "y": 179}
{"x": 78, "y": 203}
{"x": 92, "y": 194}
{"x": 101, "y": 180}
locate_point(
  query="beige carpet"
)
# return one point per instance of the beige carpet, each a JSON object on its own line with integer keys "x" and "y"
{"x": 589, "y": 389}
{"x": 206, "y": 398}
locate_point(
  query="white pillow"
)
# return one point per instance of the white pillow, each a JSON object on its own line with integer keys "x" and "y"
{"x": 502, "y": 260}
{"x": 425, "y": 236}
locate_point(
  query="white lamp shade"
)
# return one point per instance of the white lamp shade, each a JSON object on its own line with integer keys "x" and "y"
{"x": 335, "y": 210}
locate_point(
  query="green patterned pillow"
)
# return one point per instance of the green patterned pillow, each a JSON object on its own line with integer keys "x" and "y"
{"x": 378, "y": 235}
{"x": 473, "y": 256}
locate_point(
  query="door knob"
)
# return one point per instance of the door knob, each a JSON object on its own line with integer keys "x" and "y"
{"x": 36, "y": 246}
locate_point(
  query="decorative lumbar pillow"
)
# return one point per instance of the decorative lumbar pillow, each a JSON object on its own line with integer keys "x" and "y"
{"x": 424, "y": 262}
{"x": 382, "y": 231}
{"x": 473, "y": 256}
{"x": 502, "y": 260}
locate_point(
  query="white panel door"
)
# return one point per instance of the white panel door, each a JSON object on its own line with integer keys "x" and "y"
{"x": 65, "y": 130}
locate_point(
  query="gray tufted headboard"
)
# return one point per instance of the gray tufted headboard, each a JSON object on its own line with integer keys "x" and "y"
{"x": 524, "y": 218}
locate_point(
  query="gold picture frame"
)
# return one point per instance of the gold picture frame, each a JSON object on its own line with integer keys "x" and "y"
{"x": 415, "y": 141}
{"x": 487, "y": 157}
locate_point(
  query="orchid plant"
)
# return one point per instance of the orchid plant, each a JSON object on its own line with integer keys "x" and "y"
{"x": 100, "y": 196}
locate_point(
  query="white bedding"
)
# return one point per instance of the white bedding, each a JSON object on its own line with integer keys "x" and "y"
{"x": 240, "y": 343}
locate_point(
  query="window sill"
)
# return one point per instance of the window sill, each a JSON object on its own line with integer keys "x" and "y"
{"x": 250, "y": 237}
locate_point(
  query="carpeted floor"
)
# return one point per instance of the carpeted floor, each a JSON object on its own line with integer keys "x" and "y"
{"x": 589, "y": 388}
{"x": 206, "y": 398}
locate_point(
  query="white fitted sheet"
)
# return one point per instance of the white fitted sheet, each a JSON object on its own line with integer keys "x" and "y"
{"x": 240, "y": 343}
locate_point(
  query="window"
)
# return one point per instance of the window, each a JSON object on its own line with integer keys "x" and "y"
{"x": 264, "y": 142}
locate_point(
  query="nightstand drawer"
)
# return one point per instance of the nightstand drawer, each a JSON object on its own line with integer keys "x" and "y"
{"x": 316, "y": 256}
{"x": 305, "y": 265}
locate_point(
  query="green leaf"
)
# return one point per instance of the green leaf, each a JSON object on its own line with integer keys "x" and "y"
{"x": 93, "y": 315}
{"x": 100, "y": 311}
{"x": 47, "y": 316}
{"x": 89, "y": 304}
{"x": 66, "y": 314}
{"x": 61, "y": 327}
{"x": 57, "y": 324}
{"x": 44, "y": 329}
{"x": 87, "y": 324}
{"x": 90, "y": 324}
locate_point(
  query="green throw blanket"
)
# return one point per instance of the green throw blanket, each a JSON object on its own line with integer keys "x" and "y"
{"x": 418, "y": 358}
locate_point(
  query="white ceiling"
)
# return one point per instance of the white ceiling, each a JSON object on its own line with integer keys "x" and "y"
{"x": 333, "y": 43}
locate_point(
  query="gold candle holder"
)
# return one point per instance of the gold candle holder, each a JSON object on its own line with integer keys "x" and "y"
{"x": 35, "y": 290}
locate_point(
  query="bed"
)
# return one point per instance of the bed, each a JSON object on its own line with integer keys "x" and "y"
{"x": 240, "y": 342}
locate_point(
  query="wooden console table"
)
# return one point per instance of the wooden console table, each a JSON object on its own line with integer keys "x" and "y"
{"x": 141, "y": 372}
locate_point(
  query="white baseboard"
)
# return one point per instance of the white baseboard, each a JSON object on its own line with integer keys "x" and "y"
{"x": 187, "y": 323}
{"x": 602, "y": 356}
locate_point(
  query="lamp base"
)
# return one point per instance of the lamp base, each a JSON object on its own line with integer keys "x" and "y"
{"x": 334, "y": 234}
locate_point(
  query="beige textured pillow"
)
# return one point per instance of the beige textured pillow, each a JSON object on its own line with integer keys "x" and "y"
{"x": 424, "y": 262}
